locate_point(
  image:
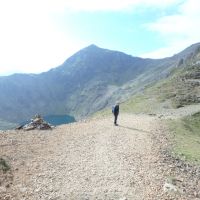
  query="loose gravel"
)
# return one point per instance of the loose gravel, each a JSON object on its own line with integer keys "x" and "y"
{"x": 92, "y": 159}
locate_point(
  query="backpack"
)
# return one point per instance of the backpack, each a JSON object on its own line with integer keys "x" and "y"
{"x": 113, "y": 108}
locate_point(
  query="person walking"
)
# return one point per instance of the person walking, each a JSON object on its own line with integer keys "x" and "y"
{"x": 116, "y": 113}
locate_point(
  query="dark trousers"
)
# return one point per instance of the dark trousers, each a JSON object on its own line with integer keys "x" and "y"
{"x": 115, "y": 122}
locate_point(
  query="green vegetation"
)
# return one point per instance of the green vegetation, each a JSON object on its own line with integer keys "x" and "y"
{"x": 136, "y": 104}
{"x": 187, "y": 137}
{"x": 3, "y": 165}
{"x": 139, "y": 104}
{"x": 180, "y": 88}
{"x": 157, "y": 95}
{"x": 168, "y": 89}
{"x": 103, "y": 113}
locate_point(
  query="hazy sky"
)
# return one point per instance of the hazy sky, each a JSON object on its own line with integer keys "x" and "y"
{"x": 36, "y": 35}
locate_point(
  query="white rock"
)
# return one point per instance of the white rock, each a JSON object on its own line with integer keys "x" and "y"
{"x": 23, "y": 189}
{"x": 2, "y": 189}
{"x": 168, "y": 187}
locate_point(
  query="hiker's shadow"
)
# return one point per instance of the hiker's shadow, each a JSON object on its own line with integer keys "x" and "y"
{"x": 134, "y": 129}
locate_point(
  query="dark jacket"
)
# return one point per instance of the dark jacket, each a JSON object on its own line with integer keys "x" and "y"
{"x": 116, "y": 110}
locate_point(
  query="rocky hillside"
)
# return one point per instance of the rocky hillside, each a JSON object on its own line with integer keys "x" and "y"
{"x": 179, "y": 89}
{"x": 182, "y": 87}
{"x": 88, "y": 81}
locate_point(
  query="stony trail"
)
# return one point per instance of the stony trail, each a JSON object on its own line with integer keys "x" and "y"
{"x": 92, "y": 159}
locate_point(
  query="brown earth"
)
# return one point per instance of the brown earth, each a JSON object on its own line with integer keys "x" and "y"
{"x": 92, "y": 159}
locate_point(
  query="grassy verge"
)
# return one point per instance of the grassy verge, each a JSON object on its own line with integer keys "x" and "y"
{"x": 139, "y": 104}
{"x": 103, "y": 113}
{"x": 187, "y": 137}
{"x": 4, "y": 165}
{"x": 136, "y": 104}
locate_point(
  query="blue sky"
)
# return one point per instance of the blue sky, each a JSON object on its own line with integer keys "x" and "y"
{"x": 37, "y": 35}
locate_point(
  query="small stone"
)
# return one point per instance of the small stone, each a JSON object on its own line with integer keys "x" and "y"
{"x": 37, "y": 190}
{"x": 2, "y": 189}
{"x": 23, "y": 189}
{"x": 123, "y": 198}
{"x": 168, "y": 187}
{"x": 196, "y": 194}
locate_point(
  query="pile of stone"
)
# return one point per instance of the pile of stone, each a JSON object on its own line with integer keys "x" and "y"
{"x": 36, "y": 123}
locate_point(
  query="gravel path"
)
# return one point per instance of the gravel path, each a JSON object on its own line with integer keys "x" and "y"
{"x": 179, "y": 112}
{"x": 85, "y": 160}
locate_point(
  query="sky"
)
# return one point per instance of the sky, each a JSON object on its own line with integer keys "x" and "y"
{"x": 37, "y": 35}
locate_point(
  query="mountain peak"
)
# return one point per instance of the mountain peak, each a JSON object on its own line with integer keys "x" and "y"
{"x": 93, "y": 46}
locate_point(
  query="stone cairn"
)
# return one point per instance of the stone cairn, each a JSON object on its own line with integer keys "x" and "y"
{"x": 36, "y": 123}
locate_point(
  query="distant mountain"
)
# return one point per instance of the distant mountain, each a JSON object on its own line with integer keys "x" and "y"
{"x": 88, "y": 81}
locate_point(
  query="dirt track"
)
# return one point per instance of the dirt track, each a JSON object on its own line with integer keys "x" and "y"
{"x": 86, "y": 160}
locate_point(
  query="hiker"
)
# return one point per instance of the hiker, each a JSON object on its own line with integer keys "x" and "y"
{"x": 116, "y": 113}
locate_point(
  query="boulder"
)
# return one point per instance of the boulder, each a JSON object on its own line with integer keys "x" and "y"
{"x": 36, "y": 123}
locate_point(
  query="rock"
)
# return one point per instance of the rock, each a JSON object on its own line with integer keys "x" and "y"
{"x": 23, "y": 189}
{"x": 2, "y": 189}
{"x": 196, "y": 194}
{"x": 37, "y": 190}
{"x": 38, "y": 120}
{"x": 28, "y": 128}
{"x": 168, "y": 187}
{"x": 19, "y": 127}
{"x": 36, "y": 123}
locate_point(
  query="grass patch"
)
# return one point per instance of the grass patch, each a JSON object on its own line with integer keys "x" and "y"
{"x": 136, "y": 104}
{"x": 4, "y": 165}
{"x": 187, "y": 137}
{"x": 103, "y": 113}
{"x": 139, "y": 104}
